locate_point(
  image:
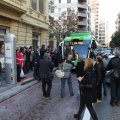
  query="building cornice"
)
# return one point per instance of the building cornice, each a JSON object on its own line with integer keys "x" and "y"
{"x": 18, "y": 6}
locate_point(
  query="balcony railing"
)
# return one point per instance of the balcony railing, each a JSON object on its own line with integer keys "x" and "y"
{"x": 82, "y": 14}
{"x": 83, "y": 23}
{"x": 84, "y": 6}
{"x": 82, "y": 0}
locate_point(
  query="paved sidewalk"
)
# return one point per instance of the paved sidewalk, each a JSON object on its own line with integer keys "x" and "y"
{"x": 8, "y": 90}
{"x": 105, "y": 111}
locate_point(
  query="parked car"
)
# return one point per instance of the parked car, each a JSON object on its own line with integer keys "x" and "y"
{"x": 107, "y": 52}
{"x": 96, "y": 51}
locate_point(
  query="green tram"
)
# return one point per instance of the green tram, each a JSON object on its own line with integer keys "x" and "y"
{"x": 77, "y": 44}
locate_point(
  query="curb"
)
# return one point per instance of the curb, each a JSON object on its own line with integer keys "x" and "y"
{"x": 26, "y": 81}
{"x": 17, "y": 89}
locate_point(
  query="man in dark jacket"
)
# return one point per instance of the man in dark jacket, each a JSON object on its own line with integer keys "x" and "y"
{"x": 46, "y": 66}
{"x": 99, "y": 53}
{"x": 42, "y": 51}
{"x": 92, "y": 55}
{"x": 98, "y": 74}
{"x": 36, "y": 58}
{"x": 80, "y": 72}
{"x": 114, "y": 63}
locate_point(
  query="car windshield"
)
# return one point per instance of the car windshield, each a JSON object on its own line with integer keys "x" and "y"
{"x": 107, "y": 51}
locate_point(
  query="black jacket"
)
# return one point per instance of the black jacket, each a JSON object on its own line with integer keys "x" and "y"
{"x": 89, "y": 95}
{"x": 113, "y": 63}
{"x": 45, "y": 68}
{"x": 98, "y": 72}
{"x": 80, "y": 68}
{"x": 36, "y": 56}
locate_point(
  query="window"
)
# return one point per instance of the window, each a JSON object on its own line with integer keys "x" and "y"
{"x": 2, "y": 31}
{"x": 68, "y": 1}
{"x": 35, "y": 40}
{"x": 41, "y": 6}
{"x": 52, "y": 10}
{"x": 59, "y": 9}
{"x": 34, "y": 4}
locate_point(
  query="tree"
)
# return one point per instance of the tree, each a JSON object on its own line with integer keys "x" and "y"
{"x": 51, "y": 26}
{"x": 115, "y": 42}
{"x": 67, "y": 23}
{"x": 117, "y": 22}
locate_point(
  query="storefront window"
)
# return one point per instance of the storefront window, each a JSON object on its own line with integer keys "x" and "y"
{"x": 41, "y": 6}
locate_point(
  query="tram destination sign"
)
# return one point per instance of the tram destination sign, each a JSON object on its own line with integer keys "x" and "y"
{"x": 76, "y": 42}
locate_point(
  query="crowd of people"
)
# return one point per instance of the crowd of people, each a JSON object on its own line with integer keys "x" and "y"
{"x": 28, "y": 58}
{"x": 91, "y": 77}
{"x": 91, "y": 74}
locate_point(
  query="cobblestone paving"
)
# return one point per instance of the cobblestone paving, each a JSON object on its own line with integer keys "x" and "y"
{"x": 30, "y": 104}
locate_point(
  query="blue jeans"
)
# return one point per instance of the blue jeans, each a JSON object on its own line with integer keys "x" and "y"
{"x": 69, "y": 81}
{"x": 104, "y": 86}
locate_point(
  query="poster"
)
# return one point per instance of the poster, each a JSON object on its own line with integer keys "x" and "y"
{"x": 8, "y": 51}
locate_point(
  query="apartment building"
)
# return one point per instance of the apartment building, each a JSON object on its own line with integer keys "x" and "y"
{"x": 95, "y": 13}
{"x": 80, "y": 7}
{"x": 103, "y": 32}
{"x": 27, "y": 19}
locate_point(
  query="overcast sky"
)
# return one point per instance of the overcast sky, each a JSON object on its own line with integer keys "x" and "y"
{"x": 108, "y": 11}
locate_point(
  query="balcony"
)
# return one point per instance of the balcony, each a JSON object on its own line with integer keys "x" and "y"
{"x": 82, "y": 23}
{"x": 81, "y": 14}
{"x": 83, "y": 6}
{"x": 18, "y": 6}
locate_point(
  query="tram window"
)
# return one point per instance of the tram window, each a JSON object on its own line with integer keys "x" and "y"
{"x": 67, "y": 43}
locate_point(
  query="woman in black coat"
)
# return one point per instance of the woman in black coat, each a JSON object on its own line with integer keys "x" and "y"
{"x": 88, "y": 94}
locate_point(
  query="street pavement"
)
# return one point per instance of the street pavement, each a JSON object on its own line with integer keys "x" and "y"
{"x": 31, "y": 105}
{"x": 105, "y": 111}
{"x": 9, "y": 90}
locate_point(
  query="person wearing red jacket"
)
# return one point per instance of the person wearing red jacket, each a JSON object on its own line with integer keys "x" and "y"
{"x": 20, "y": 63}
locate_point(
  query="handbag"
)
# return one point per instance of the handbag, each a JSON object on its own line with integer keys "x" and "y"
{"x": 22, "y": 73}
{"x": 114, "y": 73}
{"x": 87, "y": 86}
{"x": 60, "y": 73}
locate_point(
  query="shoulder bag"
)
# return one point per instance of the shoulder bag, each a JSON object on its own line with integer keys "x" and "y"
{"x": 60, "y": 73}
{"x": 87, "y": 86}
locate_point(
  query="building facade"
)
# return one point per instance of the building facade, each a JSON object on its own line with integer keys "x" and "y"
{"x": 95, "y": 14}
{"x": 103, "y": 32}
{"x": 80, "y": 7}
{"x": 27, "y": 19}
